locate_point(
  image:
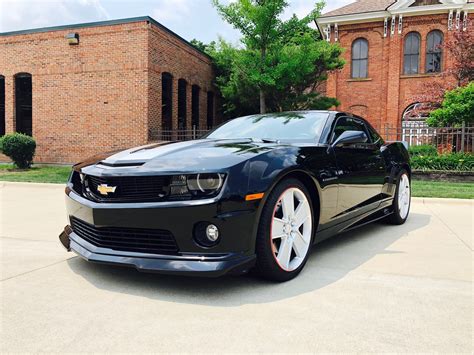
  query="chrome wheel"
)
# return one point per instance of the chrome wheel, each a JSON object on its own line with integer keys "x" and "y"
{"x": 291, "y": 229}
{"x": 404, "y": 196}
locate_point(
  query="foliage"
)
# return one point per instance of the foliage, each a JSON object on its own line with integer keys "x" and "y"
{"x": 281, "y": 63}
{"x": 457, "y": 107}
{"x": 453, "y": 162}
{"x": 425, "y": 149}
{"x": 461, "y": 52}
{"x": 20, "y": 148}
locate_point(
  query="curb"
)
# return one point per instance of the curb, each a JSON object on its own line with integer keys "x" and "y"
{"x": 451, "y": 201}
{"x": 31, "y": 184}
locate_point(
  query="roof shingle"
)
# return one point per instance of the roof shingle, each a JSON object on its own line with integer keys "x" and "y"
{"x": 360, "y": 6}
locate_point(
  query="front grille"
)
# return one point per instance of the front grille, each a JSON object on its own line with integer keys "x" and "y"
{"x": 127, "y": 188}
{"x": 152, "y": 241}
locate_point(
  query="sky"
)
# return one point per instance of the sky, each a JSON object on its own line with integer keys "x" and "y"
{"x": 188, "y": 18}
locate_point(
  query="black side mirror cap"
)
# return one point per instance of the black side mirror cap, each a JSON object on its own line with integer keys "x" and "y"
{"x": 350, "y": 137}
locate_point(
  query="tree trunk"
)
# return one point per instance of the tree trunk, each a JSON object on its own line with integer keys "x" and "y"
{"x": 263, "y": 105}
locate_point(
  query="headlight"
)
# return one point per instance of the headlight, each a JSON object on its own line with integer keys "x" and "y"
{"x": 205, "y": 183}
{"x": 196, "y": 185}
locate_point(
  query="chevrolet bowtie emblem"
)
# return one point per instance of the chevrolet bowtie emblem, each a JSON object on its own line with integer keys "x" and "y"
{"x": 105, "y": 189}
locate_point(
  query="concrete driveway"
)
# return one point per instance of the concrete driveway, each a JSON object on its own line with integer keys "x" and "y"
{"x": 381, "y": 288}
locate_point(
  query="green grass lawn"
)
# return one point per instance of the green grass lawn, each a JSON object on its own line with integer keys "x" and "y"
{"x": 442, "y": 189}
{"x": 59, "y": 175}
{"x": 50, "y": 174}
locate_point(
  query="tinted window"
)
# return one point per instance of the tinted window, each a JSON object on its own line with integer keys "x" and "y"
{"x": 291, "y": 126}
{"x": 374, "y": 136}
{"x": 347, "y": 124}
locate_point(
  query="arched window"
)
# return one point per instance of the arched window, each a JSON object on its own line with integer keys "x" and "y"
{"x": 360, "y": 58}
{"x": 23, "y": 103}
{"x": 411, "y": 53}
{"x": 434, "y": 51}
{"x": 2, "y": 105}
{"x": 166, "y": 101}
{"x": 195, "y": 91}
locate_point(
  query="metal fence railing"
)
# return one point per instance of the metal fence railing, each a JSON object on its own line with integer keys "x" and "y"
{"x": 445, "y": 139}
{"x": 178, "y": 134}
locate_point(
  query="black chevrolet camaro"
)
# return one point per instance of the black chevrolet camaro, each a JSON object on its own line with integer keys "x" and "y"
{"x": 255, "y": 193}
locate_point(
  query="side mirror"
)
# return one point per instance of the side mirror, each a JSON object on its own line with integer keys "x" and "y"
{"x": 351, "y": 137}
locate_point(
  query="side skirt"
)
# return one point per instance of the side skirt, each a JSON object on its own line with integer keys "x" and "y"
{"x": 359, "y": 221}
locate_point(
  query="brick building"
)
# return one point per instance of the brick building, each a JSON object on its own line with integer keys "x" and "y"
{"x": 392, "y": 50}
{"x": 87, "y": 88}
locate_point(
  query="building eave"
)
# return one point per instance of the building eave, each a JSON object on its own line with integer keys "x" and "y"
{"x": 354, "y": 18}
{"x": 426, "y": 10}
{"x": 405, "y": 11}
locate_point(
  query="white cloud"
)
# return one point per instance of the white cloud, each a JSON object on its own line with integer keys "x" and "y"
{"x": 23, "y": 14}
{"x": 165, "y": 10}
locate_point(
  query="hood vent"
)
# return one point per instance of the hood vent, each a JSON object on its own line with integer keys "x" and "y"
{"x": 120, "y": 165}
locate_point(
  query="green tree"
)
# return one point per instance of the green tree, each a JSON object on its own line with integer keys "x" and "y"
{"x": 281, "y": 62}
{"x": 456, "y": 108}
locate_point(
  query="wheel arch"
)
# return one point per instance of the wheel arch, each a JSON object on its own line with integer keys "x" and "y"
{"x": 311, "y": 185}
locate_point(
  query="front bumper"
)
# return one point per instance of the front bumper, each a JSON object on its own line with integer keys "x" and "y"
{"x": 234, "y": 253}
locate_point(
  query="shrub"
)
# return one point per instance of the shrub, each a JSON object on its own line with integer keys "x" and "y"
{"x": 457, "y": 107}
{"x": 454, "y": 161}
{"x": 20, "y": 148}
{"x": 425, "y": 150}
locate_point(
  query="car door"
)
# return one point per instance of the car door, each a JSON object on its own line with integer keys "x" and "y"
{"x": 361, "y": 170}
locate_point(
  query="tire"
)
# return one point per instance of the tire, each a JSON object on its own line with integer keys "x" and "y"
{"x": 283, "y": 247}
{"x": 401, "y": 203}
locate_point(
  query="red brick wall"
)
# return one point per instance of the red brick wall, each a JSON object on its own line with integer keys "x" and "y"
{"x": 168, "y": 54}
{"x": 385, "y": 94}
{"x": 103, "y": 94}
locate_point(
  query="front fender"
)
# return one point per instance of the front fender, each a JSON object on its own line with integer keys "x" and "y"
{"x": 266, "y": 171}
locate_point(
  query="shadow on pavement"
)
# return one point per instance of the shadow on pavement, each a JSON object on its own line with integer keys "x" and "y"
{"x": 329, "y": 262}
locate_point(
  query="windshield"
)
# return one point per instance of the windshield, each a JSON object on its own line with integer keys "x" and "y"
{"x": 279, "y": 126}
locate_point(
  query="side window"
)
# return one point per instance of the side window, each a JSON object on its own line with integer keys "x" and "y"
{"x": 374, "y": 136}
{"x": 347, "y": 124}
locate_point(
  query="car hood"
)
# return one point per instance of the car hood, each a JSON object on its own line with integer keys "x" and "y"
{"x": 190, "y": 156}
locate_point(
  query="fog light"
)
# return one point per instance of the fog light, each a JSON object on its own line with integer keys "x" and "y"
{"x": 206, "y": 234}
{"x": 212, "y": 233}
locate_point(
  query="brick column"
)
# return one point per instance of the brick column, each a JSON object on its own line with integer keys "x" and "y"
{"x": 154, "y": 104}
{"x": 331, "y": 85}
{"x": 203, "y": 108}
{"x": 10, "y": 124}
{"x": 395, "y": 59}
{"x": 174, "y": 98}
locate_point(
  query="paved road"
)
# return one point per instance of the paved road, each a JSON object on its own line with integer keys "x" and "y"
{"x": 381, "y": 288}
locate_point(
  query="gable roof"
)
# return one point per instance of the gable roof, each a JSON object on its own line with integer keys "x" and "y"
{"x": 361, "y": 6}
